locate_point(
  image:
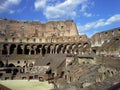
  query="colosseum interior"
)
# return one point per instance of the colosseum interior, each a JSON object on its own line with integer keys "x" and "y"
{"x": 55, "y": 52}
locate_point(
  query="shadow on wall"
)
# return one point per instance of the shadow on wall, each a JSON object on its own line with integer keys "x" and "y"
{"x": 115, "y": 87}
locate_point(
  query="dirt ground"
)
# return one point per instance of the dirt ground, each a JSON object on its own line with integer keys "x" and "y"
{"x": 26, "y": 85}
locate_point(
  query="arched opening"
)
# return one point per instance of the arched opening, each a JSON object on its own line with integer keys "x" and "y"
{"x": 11, "y": 65}
{"x": 27, "y": 50}
{"x": 79, "y": 45}
{"x": 23, "y": 69}
{"x": 48, "y": 49}
{"x": 51, "y": 49}
{"x": 15, "y": 71}
{"x": 12, "y": 48}
{"x": 49, "y": 71}
{"x": 112, "y": 72}
{"x": 32, "y": 52}
{"x": 38, "y": 49}
{"x": 65, "y": 77}
{"x": 70, "y": 79}
{"x": 85, "y": 44}
{"x": 19, "y": 49}
{"x": 43, "y": 50}
{"x": 1, "y": 74}
{"x": 61, "y": 74}
{"x": 56, "y": 47}
{"x": 73, "y": 47}
{"x": 4, "y": 50}
{"x": 1, "y": 64}
{"x": 31, "y": 65}
{"x": 9, "y": 70}
{"x": 94, "y": 51}
{"x": 30, "y": 77}
{"x": 59, "y": 48}
{"x": 19, "y": 69}
{"x": 66, "y": 49}
{"x": 48, "y": 63}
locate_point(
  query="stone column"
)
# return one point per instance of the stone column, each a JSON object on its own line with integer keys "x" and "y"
{"x": 8, "y": 49}
{"x": 46, "y": 49}
{"x": 52, "y": 50}
{"x": 1, "y": 46}
{"x": 7, "y": 56}
{"x": 40, "y": 50}
{"x": 30, "y": 49}
{"x": 34, "y": 49}
{"x": 22, "y": 47}
{"x": 56, "y": 49}
{"x": 61, "y": 50}
{"x": 67, "y": 48}
{"x": 15, "y": 50}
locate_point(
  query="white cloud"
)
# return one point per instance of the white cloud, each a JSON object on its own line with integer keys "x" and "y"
{"x": 87, "y": 14}
{"x": 6, "y": 4}
{"x": 65, "y": 9}
{"x": 99, "y": 23}
{"x": 40, "y": 4}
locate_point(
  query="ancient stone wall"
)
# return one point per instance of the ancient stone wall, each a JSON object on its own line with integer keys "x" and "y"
{"x": 37, "y": 32}
{"x": 35, "y": 28}
{"x": 99, "y": 38}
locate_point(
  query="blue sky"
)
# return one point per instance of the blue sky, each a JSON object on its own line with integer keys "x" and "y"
{"x": 90, "y": 16}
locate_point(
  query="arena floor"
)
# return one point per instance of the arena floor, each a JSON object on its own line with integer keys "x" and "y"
{"x": 26, "y": 85}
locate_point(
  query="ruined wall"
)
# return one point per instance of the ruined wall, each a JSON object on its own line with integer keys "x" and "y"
{"x": 37, "y": 32}
{"x": 99, "y": 38}
{"x": 35, "y": 28}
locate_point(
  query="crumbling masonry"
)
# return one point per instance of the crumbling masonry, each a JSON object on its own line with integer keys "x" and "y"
{"x": 54, "y": 51}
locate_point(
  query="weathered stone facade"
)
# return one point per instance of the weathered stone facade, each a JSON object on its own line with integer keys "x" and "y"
{"x": 54, "y": 51}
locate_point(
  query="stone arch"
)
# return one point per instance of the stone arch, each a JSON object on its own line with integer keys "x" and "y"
{"x": 19, "y": 49}
{"x": 85, "y": 44}
{"x": 31, "y": 64}
{"x": 27, "y": 49}
{"x": 9, "y": 70}
{"x": 19, "y": 69}
{"x": 39, "y": 49}
{"x": 86, "y": 47}
{"x": 13, "y": 39}
{"x": 4, "y": 50}
{"x": 70, "y": 48}
{"x": 112, "y": 72}
{"x": 66, "y": 48}
{"x": 1, "y": 64}
{"x": 51, "y": 48}
{"x": 73, "y": 48}
{"x": 33, "y": 49}
{"x": 48, "y": 49}
{"x": 56, "y": 47}
{"x": 44, "y": 50}
{"x": 23, "y": 69}
{"x": 60, "y": 48}
{"x": 15, "y": 71}
{"x": 79, "y": 45}
{"x": 12, "y": 48}
{"x": 11, "y": 65}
